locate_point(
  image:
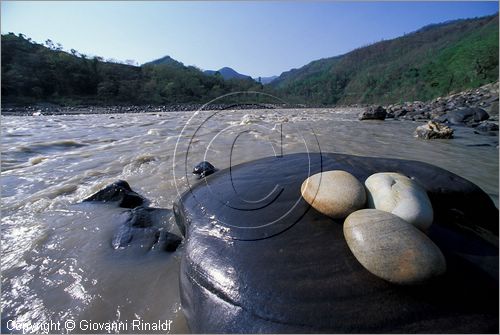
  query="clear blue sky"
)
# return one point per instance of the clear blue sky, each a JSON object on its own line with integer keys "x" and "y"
{"x": 254, "y": 38}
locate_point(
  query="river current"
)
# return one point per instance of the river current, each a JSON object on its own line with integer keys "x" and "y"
{"x": 57, "y": 261}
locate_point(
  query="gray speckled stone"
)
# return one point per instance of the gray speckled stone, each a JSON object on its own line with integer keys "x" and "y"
{"x": 401, "y": 196}
{"x": 391, "y": 248}
{"x": 334, "y": 193}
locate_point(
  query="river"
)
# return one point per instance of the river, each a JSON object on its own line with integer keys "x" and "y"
{"x": 57, "y": 259}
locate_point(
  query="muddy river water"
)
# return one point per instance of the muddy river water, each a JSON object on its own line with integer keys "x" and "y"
{"x": 57, "y": 261}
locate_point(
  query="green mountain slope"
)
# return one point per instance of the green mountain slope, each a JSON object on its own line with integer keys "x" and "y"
{"x": 33, "y": 73}
{"x": 166, "y": 60}
{"x": 227, "y": 73}
{"x": 430, "y": 62}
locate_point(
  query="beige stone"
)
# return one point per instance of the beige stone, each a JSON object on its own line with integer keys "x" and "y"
{"x": 433, "y": 130}
{"x": 401, "y": 196}
{"x": 391, "y": 248}
{"x": 334, "y": 193}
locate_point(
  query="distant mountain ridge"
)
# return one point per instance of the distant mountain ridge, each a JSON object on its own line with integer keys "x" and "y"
{"x": 227, "y": 73}
{"x": 267, "y": 80}
{"x": 166, "y": 60}
{"x": 430, "y": 62}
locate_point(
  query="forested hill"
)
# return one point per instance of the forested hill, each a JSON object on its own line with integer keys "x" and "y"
{"x": 227, "y": 73}
{"x": 33, "y": 73}
{"x": 430, "y": 62}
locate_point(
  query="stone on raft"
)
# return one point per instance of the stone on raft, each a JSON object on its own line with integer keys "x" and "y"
{"x": 260, "y": 259}
{"x": 391, "y": 248}
{"x": 334, "y": 193}
{"x": 204, "y": 169}
{"x": 401, "y": 196}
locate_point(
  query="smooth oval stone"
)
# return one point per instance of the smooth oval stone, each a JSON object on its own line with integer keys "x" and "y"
{"x": 401, "y": 196}
{"x": 391, "y": 248}
{"x": 334, "y": 193}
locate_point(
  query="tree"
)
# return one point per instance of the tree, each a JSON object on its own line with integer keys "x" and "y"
{"x": 49, "y": 44}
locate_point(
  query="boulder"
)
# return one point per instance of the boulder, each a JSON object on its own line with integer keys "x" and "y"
{"x": 486, "y": 126}
{"x": 400, "y": 113}
{"x": 119, "y": 192}
{"x": 334, "y": 193}
{"x": 437, "y": 112}
{"x": 433, "y": 130}
{"x": 146, "y": 228}
{"x": 262, "y": 260}
{"x": 401, "y": 196}
{"x": 373, "y": 113}
{"x": 464, "y": 116}
{"x": 138, "y": 227}
{"x": 391, "y": 248}
{"x": 494, "y": 108}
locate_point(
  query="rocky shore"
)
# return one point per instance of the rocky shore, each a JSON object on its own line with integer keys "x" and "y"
{"x": 484, "y": 97}
{"x": 52, "y": 109}
{"x": 477, "y": 108}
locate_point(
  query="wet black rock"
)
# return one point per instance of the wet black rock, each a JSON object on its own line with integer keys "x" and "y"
{"x": 464, "y": 116}
{"x": 119, "y": 192}
{"x": 204, "y": 169}
{"x": 261, "y": 259}
{"x": 147, "y": 228}
{"x": 487, "y": 126}
{"x": 373, "y": 113}
{"x": 168, "y": 241}
{"x": 139, "y": 226}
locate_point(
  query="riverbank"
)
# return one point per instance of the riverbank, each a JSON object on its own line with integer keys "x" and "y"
{"x": 484, "y": 97}
{"x": 52, "y": 109}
